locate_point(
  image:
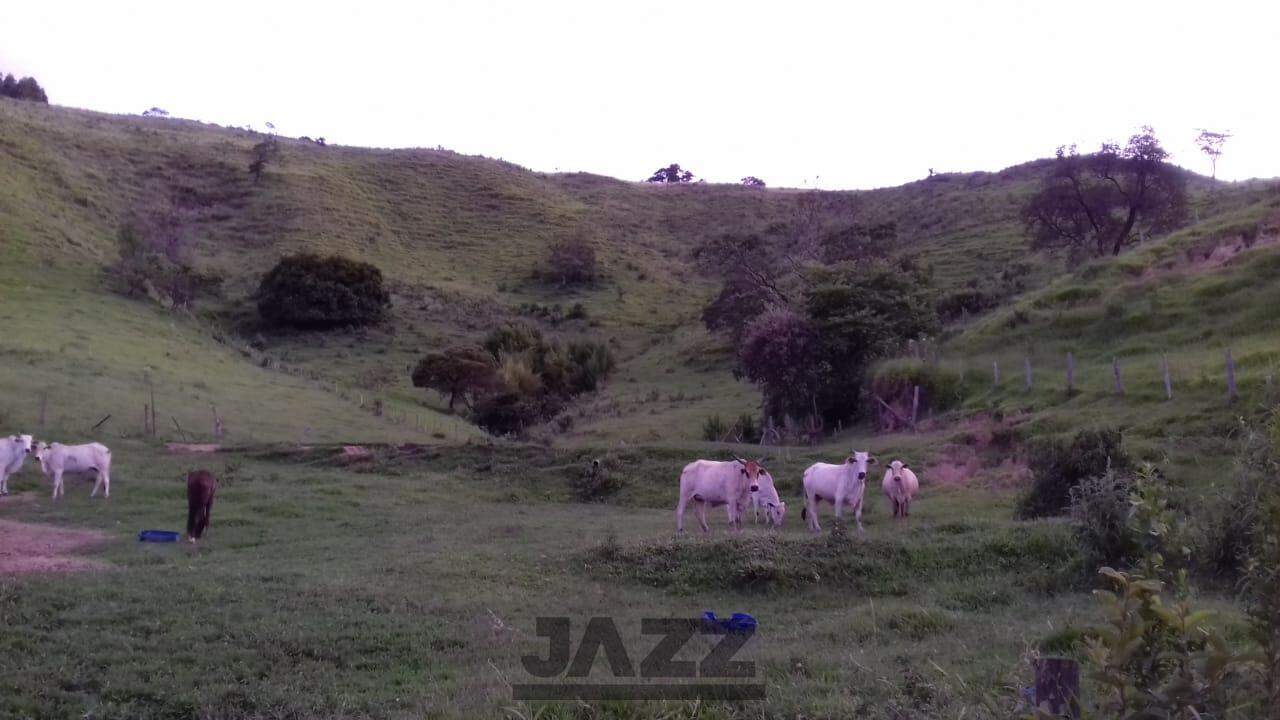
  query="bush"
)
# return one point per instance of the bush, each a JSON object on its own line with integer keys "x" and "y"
{"x": 595, "y": 484}
{"x": 572, "y": 261}
{"x": 314, "y": 292}
{"x": 714, "y": 429}
{"x": 154, "y": 263}
{"x": 1057, "y": 467}
{"x": 895, "y": 381}
{"x": 1100, "y": 512}
{"x": 25, "y": 89}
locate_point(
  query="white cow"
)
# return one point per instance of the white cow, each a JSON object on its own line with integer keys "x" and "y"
{"x": 767, "y": 497}
{"x": 709, "y": 482}
{"x": 900, "y": 485}
{"x": 56, "y": 459}
{"x": 839, "y": 485}
{"x": 13, "y": 451}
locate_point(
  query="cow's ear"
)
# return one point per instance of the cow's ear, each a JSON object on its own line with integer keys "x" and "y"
{"x": 871, "y": 461}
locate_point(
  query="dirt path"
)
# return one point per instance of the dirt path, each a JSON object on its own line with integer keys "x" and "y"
{"x": 28, "y": 548}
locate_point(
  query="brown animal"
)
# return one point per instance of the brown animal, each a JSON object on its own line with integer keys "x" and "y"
{"x": 201, "y": 485}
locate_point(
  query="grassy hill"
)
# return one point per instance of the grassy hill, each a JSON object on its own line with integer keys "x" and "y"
{"x": 460, "y": 239}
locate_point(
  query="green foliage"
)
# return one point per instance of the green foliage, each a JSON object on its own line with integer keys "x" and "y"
{"x": 461, "y": 372}
{"x": 1235, "y": 517}
{"x": 25, "y": 89}
{"x": 264, "y": 152}
{"x": 1100, "y": 514}
{"x": 596, "y": 483}
{"x": 1057, "y": 467}
{"x": 572, "y": 261}
{"x": 714, "y": 429}
{"x": 1158, "y": 656}
{"x": 315, "y": 292}
{"x": 148, "y": 266}
{"x": 896, "y": 380}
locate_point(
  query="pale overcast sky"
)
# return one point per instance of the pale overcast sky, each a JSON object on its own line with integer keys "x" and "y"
{"x": 839, "y": 95}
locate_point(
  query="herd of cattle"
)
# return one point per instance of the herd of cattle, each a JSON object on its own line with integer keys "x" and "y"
{"x": 733, "y": 484}
{"x": 737, "y": 482}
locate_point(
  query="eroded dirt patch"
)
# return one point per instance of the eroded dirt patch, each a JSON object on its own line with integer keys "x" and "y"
{"x": 28, "y": 548}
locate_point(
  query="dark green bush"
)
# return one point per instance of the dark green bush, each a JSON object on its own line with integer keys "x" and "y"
{"x": 1057, "y": 467}
{"x": 1100, "y": 512}
{"x": 596, "y": 483}
{"x": 714, "y": 429}
{"x": 315, "y": 292}
{"x": 896, "y": 380}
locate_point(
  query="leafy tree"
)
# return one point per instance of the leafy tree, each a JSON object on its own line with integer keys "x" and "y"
{"x": 155, "y": 112}
{"x": 9, "y": 86}
{"x": 672, "y": 173}
{"x": 781, "y": 352}
{"x": 1097, "y": 204}
{"x": 310, "y": 291}
{"x": 752, "y": 181}
{"x": 573, "y": 261}
{"x": 154, "y": 261}
{"x": 463, "y": 372}
{"x": 1210, "y": 143}
{"x": 28, "y": 89}
{"x": 263, "y": 153}
{"x": 1058, "y": 468}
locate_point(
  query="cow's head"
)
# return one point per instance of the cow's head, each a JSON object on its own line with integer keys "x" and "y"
{"x": 751, "y": 470}
{"x": 860, "y": 461}
{"x": 776, "y": 512}
{"x": 25, "y": 441}
{"x": 895, "y": 469}
{"x": 42, "y": 454}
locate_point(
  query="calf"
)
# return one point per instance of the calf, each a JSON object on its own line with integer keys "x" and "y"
{"x": 56, "y": 459}
{"x": 841, "y": 485}
{"x": 767, "y": 497}
{"x": 201, "y": 485}
{"x": 13, "y": 451}
{"x": 709, "y": 482}
{"x": 900, "y": 485}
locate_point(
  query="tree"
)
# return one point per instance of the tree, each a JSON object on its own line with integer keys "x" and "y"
{"x": 154, "y": 260}
{"x": 464, "y": 372}
{"x": 25, "y": 89}
{"x": 1092, "y": 205}
{"x": 752, "y": 181}
{"x": 672, "y": 173}
{"x": 310, "y": 291}
{"x": 780, "y": 352}
{"x": 1210, "y": 143}
{"x": 155, "y": 112}
{"x": 263, "y": 153}
{"x": 573, "y": 261}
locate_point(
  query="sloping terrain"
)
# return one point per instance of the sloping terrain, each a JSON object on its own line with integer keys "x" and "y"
{"x": 460, "y": 240}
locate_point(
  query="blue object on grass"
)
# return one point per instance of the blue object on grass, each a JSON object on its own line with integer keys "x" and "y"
{"x": 157, "y": 536}
{"x": 739, "y": 623}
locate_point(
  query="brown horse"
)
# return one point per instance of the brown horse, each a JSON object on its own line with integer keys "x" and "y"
{"x": 201, "y": 485}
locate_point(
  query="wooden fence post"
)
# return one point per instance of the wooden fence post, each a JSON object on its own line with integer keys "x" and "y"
{"x": 1026, "y": 363}
{"x": 1115, "y": 368}
{"x": 1232, "y": 394}
{"x": 1071, "y": 373}
{"x": 217, "y": 423}
{"x": 915, "y": 406}
{"x": 1168, "y": 382}
{"x": 1058, "y": 687}
{"x": 995, "y": 369}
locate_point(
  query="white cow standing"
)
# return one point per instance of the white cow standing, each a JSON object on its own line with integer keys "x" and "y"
{"x": 841, "y": 485}
{"x": 714, "y": 483}
{"x": 900, "y": 486}
{"x": 13, "y": 451}
{"x": 56, "y": 459}
{"x": 767, "y": 497}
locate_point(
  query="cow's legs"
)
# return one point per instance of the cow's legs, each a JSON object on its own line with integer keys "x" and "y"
{"x": 97, "y": 484}
{"x": 702, "y": 515}
{"x": 755, "y": 509}
{"x": 680, "y": 512}
{"x": 906, "y": 507}
{"x": 857, "y": 515}
{"x": 105, "y": 476}
{"x": 811, "y": 506}
{"x": 4, "y": 482}
{"x": 57, "y": 484}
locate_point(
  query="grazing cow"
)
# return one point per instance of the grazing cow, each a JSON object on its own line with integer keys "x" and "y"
{"x": 709, "y": 482}
{"x": 201, "y": 485}
{"x": 839, "y": 485}
{"x": 56, "y": 459}
{"x": 13, "y": 451}
{"x": 767, "y": 497}
{"x": 900, "y": 485}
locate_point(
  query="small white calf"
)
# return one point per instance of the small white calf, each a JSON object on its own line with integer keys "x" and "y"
{"x": 767, "y": 497}
{"x": 708, "y": 482}
{"x": 900, "y": 486}
{"x": 56, "y": 459}
{"x": 13, "y": 451}
{"x": 841, "y": 485}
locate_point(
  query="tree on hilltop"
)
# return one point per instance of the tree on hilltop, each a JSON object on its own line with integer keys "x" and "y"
{"x": 1210, "y": 143}
{"x": 1095, "y": 205}
{"x": 672, "y": 173}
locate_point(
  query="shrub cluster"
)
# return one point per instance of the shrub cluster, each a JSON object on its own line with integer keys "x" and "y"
{"x": 154, "y": 263}
{"x": 319, "y": 292}
{"x": 516, "y": 377}
{"x": 1057, "y": 467}
{"x": 895, "y": 381}
{"x": 25, "y": 89}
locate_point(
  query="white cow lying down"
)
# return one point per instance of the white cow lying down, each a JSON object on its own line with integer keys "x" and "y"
{"x": 900, "y": 486}
{"x": 56, "y": 459}
{"x": 841, "y": 485}
{"x": 13, "y": 451}
{"x": 710, "y": 482}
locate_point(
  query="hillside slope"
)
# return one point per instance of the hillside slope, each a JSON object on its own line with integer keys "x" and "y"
{"x": 459, "y": 238}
